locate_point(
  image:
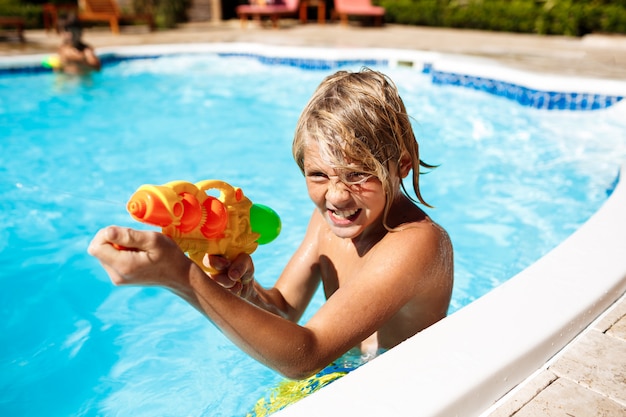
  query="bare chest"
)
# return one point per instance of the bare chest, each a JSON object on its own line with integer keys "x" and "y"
{"x": 339, "y": 265}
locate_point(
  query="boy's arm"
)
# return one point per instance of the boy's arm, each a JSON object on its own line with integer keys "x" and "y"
{"x": 238, "y": 278}
{"x": 153, "y": 259}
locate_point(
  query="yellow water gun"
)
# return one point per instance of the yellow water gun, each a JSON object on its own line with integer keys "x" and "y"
{"x": 201, "y": 223}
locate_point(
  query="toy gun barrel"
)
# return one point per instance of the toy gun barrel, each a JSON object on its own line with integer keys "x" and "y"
{"x": 162, "y": 206}
{"x": 201, "y": 223}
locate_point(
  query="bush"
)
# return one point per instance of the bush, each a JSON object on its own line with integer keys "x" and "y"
{"x": 31, "y": 13}
{"x": 167, "y": 13}
{"x": 613, "y": 19}
{"x": 554, "y": 17}
{"x": 412, "y": 12}
{"x": 567, "y": 17}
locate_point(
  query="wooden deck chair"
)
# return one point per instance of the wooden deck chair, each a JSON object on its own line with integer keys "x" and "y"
{"x": 16, "y": 22}
{"x": 265, "y": 8}
{"x": 345, "y": 8}
{"x": 109, "y": 11}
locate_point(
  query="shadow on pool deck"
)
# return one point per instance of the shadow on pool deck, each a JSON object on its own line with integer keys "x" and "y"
{"x": 587, "y": 377}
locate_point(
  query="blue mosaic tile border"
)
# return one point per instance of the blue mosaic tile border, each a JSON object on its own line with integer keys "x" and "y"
{"x": 307, "y": 63}
{"x": 302, "y": 63}
{"x": 26, "y": 70}
{"x": 110, "y": 60}
{"x": 106, "y": 59}
{"x": 549, "y": 100}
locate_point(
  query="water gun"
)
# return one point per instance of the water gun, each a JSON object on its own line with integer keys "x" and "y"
{"x": 200, "y": 223}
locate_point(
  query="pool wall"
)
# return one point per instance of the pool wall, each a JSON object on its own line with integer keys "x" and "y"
{"x": 466, "y": 362}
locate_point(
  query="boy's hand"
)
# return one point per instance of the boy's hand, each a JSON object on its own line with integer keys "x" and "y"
{"x": 237, "y": 276}
{"x": 138, "y": 257}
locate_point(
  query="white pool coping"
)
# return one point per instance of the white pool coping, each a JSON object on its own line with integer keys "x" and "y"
{"x": 462, "y": 365}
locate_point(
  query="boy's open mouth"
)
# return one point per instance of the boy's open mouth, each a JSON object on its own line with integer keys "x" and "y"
{"x": 344, "y": 216}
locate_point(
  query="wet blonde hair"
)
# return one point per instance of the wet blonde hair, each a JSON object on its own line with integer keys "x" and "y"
{"x": 359, "y": 122}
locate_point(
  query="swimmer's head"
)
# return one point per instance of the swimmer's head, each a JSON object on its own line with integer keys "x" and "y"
{"x": 73, "y": 30}
{"x": 358, "y": 118}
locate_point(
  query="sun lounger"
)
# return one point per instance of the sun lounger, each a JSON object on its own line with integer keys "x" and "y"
{"x": 345, "y": 8}
{"x": 15, "y": 22}
{"x": 109, "y": 11}
{"x": 263, "y": 8}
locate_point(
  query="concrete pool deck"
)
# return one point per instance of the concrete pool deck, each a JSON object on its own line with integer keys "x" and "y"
{"x": 585, "y": 378}
{"x": 596, "y": 56}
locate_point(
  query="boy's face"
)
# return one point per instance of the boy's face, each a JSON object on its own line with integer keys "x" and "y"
{"x": 351, "y": 202}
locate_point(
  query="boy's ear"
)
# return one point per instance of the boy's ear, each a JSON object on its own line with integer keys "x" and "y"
{"x": 405, "y": 165}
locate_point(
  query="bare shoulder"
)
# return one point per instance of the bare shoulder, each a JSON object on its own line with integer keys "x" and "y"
{"x": 415, "y": 262}
{"x": 425, "y": 244}
{"x": 415, "y": 232}
{"x": 423, "y": 258}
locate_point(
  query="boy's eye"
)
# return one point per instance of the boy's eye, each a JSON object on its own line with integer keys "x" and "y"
{"x": 357, "y": 177}
{"x": 316, "y": 175}
{"x": 348, "y": 178}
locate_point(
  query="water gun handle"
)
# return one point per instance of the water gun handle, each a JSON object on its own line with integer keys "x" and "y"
{"x": 201, "y": 223}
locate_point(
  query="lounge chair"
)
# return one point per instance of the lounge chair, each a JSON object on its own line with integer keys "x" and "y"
{"x": 109, "y": 11}
{"x": 16, "y": 22}
{"x": 263, "y": 8}
{"x": 345, "y": 8}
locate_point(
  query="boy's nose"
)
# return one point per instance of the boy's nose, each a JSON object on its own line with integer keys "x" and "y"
{"x": 337, "y": 191}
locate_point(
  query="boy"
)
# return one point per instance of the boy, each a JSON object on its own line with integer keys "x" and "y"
{"x": 386, "y": 267}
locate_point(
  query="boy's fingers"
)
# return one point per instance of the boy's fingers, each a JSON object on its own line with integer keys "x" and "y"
{"x": 98, "y": 242}
{"x": 224, "y": 281}
{"x": 125, "y": 237}
{"x": 112, "y": 239}
{"x": 241, "y": 266}
{"x": 219, "y": 263}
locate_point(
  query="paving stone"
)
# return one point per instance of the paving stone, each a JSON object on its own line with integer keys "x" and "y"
{"x": 618, "y": 329}
{"x": 524, "y": 395}
{"x": 567, "y": 399}
{"x": 596, "y": 361}
{"x": 615, "y": 320}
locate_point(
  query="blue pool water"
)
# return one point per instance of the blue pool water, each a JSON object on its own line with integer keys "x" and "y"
{"x": 512, "y": 183}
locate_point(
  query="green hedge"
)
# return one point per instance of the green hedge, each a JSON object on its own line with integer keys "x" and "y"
{"x": 30, "y": 12}
{"x": 554, "y": 17}
{"x": 167, "y": 13}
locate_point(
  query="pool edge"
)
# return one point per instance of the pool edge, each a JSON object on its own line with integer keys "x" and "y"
{"x": 465, "y": 363}
{"x": 540, "y": 91}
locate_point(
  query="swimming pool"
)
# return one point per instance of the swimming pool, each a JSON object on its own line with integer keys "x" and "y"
{"x": 105, "y": 351}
